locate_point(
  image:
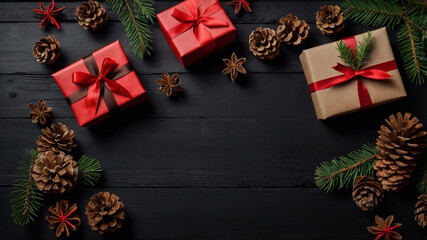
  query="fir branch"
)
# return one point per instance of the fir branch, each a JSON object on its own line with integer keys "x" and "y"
{"x": 89, "y": 171}
{"x": 26, "y": 198}
{"x": 346, "y": 54}
{"x": 412, "y": 37}
{"x": 341, "y": 173}
{"x": 422, "y": 184}
{"x": 136, "y": 15}
{"x": 363, "y": 49}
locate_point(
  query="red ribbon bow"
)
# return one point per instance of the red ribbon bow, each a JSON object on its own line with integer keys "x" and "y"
{"x": 376, "y": 72}
{"x": 97, "y": 84}
{"x": 198, "y": 20}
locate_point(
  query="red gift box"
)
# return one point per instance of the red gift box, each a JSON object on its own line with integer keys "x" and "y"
{"x": 100, "y": 84}
{"x": 195, "y": 29}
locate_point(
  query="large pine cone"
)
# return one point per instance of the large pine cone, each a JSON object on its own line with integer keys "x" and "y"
{"x": 91, "y": 15}
{"x": 330, "y": 19}
{"x": 399, "y": 145}
{"x": 421, "y": 211}
{"x": 264, "y": 43}
{"x": 367, "y": 192}
{"x": 47, "y": 50}
{"x": 105, "y": 212}
{"x": 292, "y": 30}
{"x": 55, "y": 173}
{"x": 56, "y": 138}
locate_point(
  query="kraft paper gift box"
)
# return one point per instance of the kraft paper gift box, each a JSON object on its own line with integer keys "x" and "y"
{"x": 332, "y": 99}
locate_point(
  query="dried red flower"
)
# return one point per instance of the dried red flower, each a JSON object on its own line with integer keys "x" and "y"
{"x": 239, "y": 4}
{"x": 48, "y": 14}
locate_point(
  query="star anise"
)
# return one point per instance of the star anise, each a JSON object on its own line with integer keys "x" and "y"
{"x": 234, "y": 66}
{"x": 48, "y": 14}
{"x": 63, "y": 217}
{"x": 170, "y": 85}
{"x": 40, "y": 112}
{"x": 239, "y": 4}
{"x": 385, "y": 228}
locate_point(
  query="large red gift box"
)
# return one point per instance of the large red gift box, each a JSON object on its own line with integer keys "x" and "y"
{"x": 100, "y": 84}
{"x": 196, "y": 28}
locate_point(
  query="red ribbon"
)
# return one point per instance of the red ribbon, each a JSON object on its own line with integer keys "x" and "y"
{"x": 198, "y": 20}
{"x": 376, "y": 72}
{"x": 98, "y": 82}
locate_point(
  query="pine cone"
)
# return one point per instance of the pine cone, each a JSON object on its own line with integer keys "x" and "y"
{"x": 47, "y": 50}
{"x": 330, "y": 19}
{"x": 105, "y": 212}
{"x": 57, "y": 138}
{"x": 292, "y": 30}
{"x": 399, "y": 145}
{"x": 367, "y": 192}
{"x": 421, "y": 211}
{"x": 63, "y": 217}
{"x": 91, "y": 15}
{"x": 264, "y": 43}
{"x": 55, "y": 173}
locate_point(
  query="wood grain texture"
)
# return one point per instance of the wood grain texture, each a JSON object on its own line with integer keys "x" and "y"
{"x": 222, "y": 161}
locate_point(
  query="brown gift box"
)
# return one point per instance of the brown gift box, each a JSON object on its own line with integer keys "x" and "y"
{"x": 343, "y": 98}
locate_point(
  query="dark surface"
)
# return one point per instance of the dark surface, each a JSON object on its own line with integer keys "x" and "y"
{"x": 223, "y": 161}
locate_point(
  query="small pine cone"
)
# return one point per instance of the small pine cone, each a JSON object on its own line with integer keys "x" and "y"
{"x": 264, "y": 43}
{"x": 55, "y": 173}
{"x": 91, "y": 15}
{"x": 47, "y": 50}
{"x": 292, "y": 30}
{"x": 105, "y": 212}
{"x": 56, "y": 138}
{"x": 367, "y": 192}
{"x": 399, "y": 145}
{"x": 421, "y": 211}
{"x": 330, "y": 19}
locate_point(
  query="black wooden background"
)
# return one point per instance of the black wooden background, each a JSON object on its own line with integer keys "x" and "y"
{"x": 223, "y": 161}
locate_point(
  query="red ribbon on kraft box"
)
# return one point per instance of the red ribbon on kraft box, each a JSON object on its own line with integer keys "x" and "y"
{"x": 195, "y": 29}
{"x": 100, "y": 84}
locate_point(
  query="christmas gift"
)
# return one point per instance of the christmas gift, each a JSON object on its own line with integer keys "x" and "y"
{"x": 337, "y": 88}
{"x": 100, "y": 84}
{"x": 196, "y": 28}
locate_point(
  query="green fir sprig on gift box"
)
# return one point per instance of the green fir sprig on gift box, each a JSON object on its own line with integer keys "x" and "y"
{"x": 412, "y": 36}
{"x": 342, "y": 171}
{"x": 26, "y": 197}
{"x": 356, "y": 59}
{"x": 136, "y": 16}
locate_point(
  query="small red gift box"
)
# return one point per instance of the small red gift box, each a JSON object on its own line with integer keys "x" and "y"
{"x": 195, "y": 29}
{"x": 100, "y": 84}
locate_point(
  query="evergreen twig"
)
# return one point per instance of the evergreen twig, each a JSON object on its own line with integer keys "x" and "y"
{"x": 89, "y": 171}
{"x": 136, "y": 15}
{"x": 356, "y": 59}
{"x": 422, "y": 184}
{"x": 26, "y": 198}
{"x": 412, "y": 37}
{"x": 341, "y": 172}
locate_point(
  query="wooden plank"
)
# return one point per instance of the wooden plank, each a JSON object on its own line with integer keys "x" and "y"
{"x": 77, "y": 43}
{"x": 21, "y": 11}
{"x": 256, "y": 95}
{"x": 294, "y": 214}
{"x": 139, "y": 151}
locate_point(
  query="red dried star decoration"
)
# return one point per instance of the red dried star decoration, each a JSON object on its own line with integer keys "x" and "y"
{"x": 239, "y": 4}
{"x": 48, "y": 14}
{"x": 385, "y": 229}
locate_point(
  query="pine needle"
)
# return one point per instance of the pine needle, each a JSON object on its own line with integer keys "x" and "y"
{"x": 422, "y": 183}
{"x": 136, "y": 15}
{"x": 346, "y": 54}
{"x": 341, "y": 172}
{"x": 363, "y": 49}
{"x": 412, "y": 37}
{"x": 26, "y": 198}
{"x": 89, "y": 171}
